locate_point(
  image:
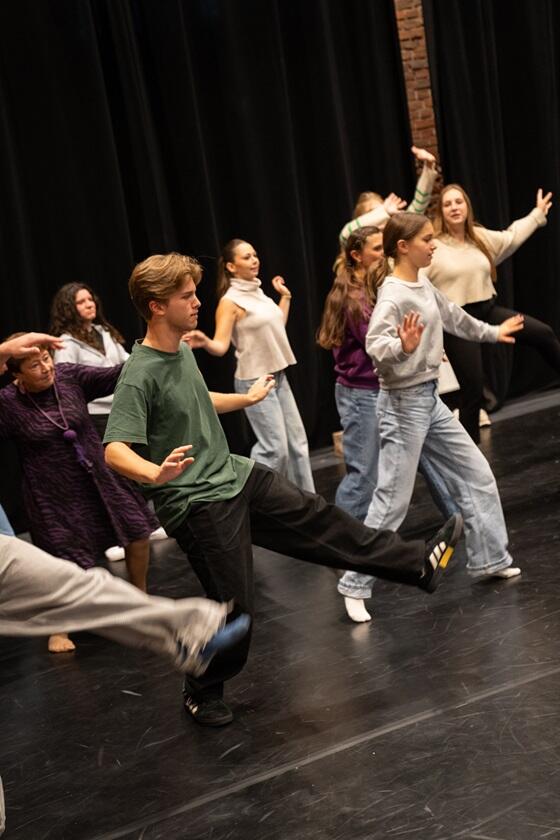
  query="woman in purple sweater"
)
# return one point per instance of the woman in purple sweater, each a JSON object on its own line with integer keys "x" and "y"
{"x": 75, "y": 504}
{"x": 343, "y": 329}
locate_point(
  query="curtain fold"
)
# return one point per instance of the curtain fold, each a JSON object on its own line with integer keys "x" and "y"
{"x": 130, "y": 127}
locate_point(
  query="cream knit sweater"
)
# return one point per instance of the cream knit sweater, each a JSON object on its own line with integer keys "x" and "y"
{"x": 462, "y": 272}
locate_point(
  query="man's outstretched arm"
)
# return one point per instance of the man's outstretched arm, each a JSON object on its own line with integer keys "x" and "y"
{"x": 223, "y": 403}
{"x": 121, "y": 458}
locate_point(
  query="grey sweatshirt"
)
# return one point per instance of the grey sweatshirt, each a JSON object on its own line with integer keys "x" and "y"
{"x": 396, "y": 298}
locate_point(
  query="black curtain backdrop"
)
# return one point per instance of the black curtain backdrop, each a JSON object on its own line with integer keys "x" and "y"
{"x": 495, "y": 78}
{"x": 131, "y": 127}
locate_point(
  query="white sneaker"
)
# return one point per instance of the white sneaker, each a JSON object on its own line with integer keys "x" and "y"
{"x": 159, "y": 534}
{"x": 483, "y": 419}
{"x": 116, "y": 552}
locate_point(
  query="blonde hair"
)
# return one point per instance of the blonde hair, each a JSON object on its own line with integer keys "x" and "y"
{"x": 160, "y": 276}
{"x": 363, "y": 200}
{"x": 440, "y": 226}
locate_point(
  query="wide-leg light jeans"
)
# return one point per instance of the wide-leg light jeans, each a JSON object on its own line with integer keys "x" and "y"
{"x": 281, "y": 438}
{"x": 414, "y": 421}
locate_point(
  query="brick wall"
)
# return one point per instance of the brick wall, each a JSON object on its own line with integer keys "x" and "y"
{"x": 410, "y": 23}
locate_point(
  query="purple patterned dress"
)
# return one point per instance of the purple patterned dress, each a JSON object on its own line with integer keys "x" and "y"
{"x": 76, "y": 510}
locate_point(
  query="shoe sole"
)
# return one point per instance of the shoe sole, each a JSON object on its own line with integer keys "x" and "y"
{"x": 221, "y": 722}
{"x": 447, "y": 554}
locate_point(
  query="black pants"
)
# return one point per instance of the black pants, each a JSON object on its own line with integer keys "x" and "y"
{"x": 273, "y": 513}
{"x": 466, "y": 357}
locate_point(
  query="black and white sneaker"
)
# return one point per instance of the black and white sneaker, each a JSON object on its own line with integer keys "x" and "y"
{"x": 439, "y": 551}
{"x": 209, "y": 710}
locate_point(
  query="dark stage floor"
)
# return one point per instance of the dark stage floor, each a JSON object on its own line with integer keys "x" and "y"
{"x": 440, "y": 719}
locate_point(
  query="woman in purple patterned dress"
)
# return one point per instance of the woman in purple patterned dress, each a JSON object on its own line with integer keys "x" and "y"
{"x": 76, "y": 505}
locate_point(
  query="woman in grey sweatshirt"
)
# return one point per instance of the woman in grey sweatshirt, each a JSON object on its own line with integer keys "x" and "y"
{"x": 405, "y": 343}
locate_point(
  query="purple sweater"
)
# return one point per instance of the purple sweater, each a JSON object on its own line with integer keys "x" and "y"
{"x": 352, "y": 365}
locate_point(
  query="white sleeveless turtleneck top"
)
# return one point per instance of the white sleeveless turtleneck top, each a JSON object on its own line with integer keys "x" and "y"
{"x": 260, "y": 339}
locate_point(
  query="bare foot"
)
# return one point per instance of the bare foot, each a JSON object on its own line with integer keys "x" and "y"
{"x": 60, "y": 643}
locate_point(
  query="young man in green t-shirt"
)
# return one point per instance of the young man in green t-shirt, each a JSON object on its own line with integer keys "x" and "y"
{"x": 164, "y": 432}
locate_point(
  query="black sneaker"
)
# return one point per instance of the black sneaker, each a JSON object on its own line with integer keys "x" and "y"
{"x": 208, "y": 711}
{"x": 439, "y": 551}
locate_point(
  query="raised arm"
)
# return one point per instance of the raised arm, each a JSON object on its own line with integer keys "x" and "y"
{"x": 458, "y": 322}
{"x": 224, "y": 403}
{"x": 503, "y": 243}
{"x": 377, "y": 217}
{"x": 227, "y": 314}
{"x": 28, "y": 344}
{"x": 285, "y": 296}
{"x": 426, "y": 181}
{"x": 96, "y": 381}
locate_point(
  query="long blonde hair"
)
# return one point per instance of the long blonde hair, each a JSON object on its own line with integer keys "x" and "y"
{"x": 350, "y": 297}
{"x": 471, "y": 235}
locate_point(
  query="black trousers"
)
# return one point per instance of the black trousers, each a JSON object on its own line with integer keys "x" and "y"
{"x": 273, "y": 513}
{"x": 466, "y": 357}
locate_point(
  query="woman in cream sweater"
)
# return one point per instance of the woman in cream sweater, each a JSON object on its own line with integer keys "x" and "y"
{"x": 464, "y": 269}
{"x": 256, "y": 326}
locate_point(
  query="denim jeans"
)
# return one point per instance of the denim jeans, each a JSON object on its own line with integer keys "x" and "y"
{"x": 357, "y": 409}
{"x": 281, "y": 439}
{"x": 414, "y": 421}
{"x": 5, "y": 527}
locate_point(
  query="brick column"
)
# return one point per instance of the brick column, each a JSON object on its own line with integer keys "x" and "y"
{"x": 414, "y": 55}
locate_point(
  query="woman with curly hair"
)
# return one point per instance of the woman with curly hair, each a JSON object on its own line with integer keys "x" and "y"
{"x": 89, "y": 339}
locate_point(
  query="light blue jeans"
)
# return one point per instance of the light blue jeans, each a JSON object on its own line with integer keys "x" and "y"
{"x": 414, "y": 421}
{"x": 357, "y": 409}
{"x": 5, "y": 527}
{"x": 281, "y": 439}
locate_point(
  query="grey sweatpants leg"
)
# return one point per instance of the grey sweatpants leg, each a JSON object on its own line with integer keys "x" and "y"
{"x": 41, "y": 595}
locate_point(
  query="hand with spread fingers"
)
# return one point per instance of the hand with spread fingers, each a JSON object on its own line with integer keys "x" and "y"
{"x": 261, "y": 388}
{"x": 410, "y": 331}
{"x": 509, "y": 326}
{"x": 543, "y": 202}
{"x": 394, "y": 204}
{"x": 174, "y": 465}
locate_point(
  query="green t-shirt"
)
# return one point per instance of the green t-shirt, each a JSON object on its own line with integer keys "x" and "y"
{"x": 161, "y": 402}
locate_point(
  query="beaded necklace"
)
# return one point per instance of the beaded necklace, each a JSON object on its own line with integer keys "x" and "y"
{"x": 69, "y": 435}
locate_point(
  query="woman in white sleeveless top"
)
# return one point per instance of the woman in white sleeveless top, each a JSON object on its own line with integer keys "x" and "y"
{"x": 256, "y": 326}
